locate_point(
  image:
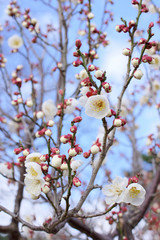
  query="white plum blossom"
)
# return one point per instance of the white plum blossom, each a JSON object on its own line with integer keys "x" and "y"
{"x": 15, "y": 41}
{"x": 33, "y": 186}
{"x": 134, "y": 194}
{"x": 6, "y": 169}
{"x": 114, "y": 191}
{"x": 83, "y": 74}
{"x": 156, "y": 85}
{"x": 33, "y": 170}
{"x": 97, "y": 106}
{"x": 49, "y": 109}
{"x": 34, "y": 157}
{"x": 72, "y": 104}
{"x": 75, "y": 164}
{"x": 119, "y": 191}
{"x": 156, "y": 62}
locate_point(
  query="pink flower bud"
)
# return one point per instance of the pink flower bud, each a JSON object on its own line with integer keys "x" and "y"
{"x": 151, "y": 25}
{"x": 87, "y": 154}
{"x": 99, "y": 74}
{"x": 132, "y": 180}
{"x": 86, "y": 82}
{"x": 73, "y": 129}
{"x": 72, "y": 152}
{"x": 78, "y": 149}
{"x": 132, "y": 23}
{"x": 135, "y": 2}
{"x": 135, "y": 62}
{"x": 56, "y": 161}
{"x": 39, "y": 114}
{"x": 47, "y": 177}
{"x": 118, "y": 28}
{"x": 44, "y": 157}
{"x": 94, "y": 149}
{"x": 64, "y": 166}
{"x": 50, "y": 123}
{"x": 77, "y": 119}
{"x": 147, "y": 58}
{"x": 17, "y": 150}
{"x": 76, "y": 182}
{"x": 91, "y": 67}
{"x": 26, "y": 152}
{"x": 125, "y": 29}
{"x": 29, "y": 103}
{"x": 77, "y": 63}
{"x": 138, "y": 74}
{"x": 117, "y": 122}
{"x": 55, "y": 151}
{"x": 46, "y": 187}
{"x": 126, "y": 52}
{"x": 21, "y": 159}
{"x": 142, "y": 41}
{"x": 76, "y": 54}
{"x": 44, "y": 167}
{"x": 64, "y": 139}
{"x": 78, "y": 43}
{"x": 48, "y": 132}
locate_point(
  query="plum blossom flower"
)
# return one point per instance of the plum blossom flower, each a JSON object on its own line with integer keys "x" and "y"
{"x": 134, "y": 194}
{"x": 49, "y": 109}
{"x": 75, "y": 164}
{"x": 83, "y": 74}
{"x": 33, "y": 186}
{"x": 34, "y": 157}
{"x": 114, "y": 191}
{"x": 15, "y": 41}
{"x": 97, "y": 106}
{"x": 33, "y": 170}
{"x": 156, "y": 62}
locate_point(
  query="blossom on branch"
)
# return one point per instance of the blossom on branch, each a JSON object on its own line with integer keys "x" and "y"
{"x": 33, "y": 186}
{"x": 119, "y": 191}
{"x": 114, "y": 191}
{"x": 97, "y": 106}
{"x": 15, "y": 41}
{"x": 134, "y": 194}
{"x": 49, "y": 109}
{"x": 33, "y": 170}
{"x": 34, "y": 157}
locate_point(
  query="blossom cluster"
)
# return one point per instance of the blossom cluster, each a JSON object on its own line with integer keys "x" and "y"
{"x": 122, "y": 190}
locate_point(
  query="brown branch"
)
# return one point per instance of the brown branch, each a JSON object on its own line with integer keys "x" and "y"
{"x": 5, "y": 229}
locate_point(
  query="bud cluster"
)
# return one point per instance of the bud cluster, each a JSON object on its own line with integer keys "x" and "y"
{"x": 13, "y": 9}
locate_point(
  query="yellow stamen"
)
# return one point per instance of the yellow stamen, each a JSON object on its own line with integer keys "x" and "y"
{"x": 33, "y": 172}
{"x": 133, "y": 192}
{"x": 98, "y": 105}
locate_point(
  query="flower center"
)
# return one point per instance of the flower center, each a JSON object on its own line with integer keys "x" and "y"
{"x": 133, "y": 192}
{"x": 98, "y": 105}
{"x": 16, "y": 42}
{"x": 33, "y": 172}
{"x": 35, "y": 159}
